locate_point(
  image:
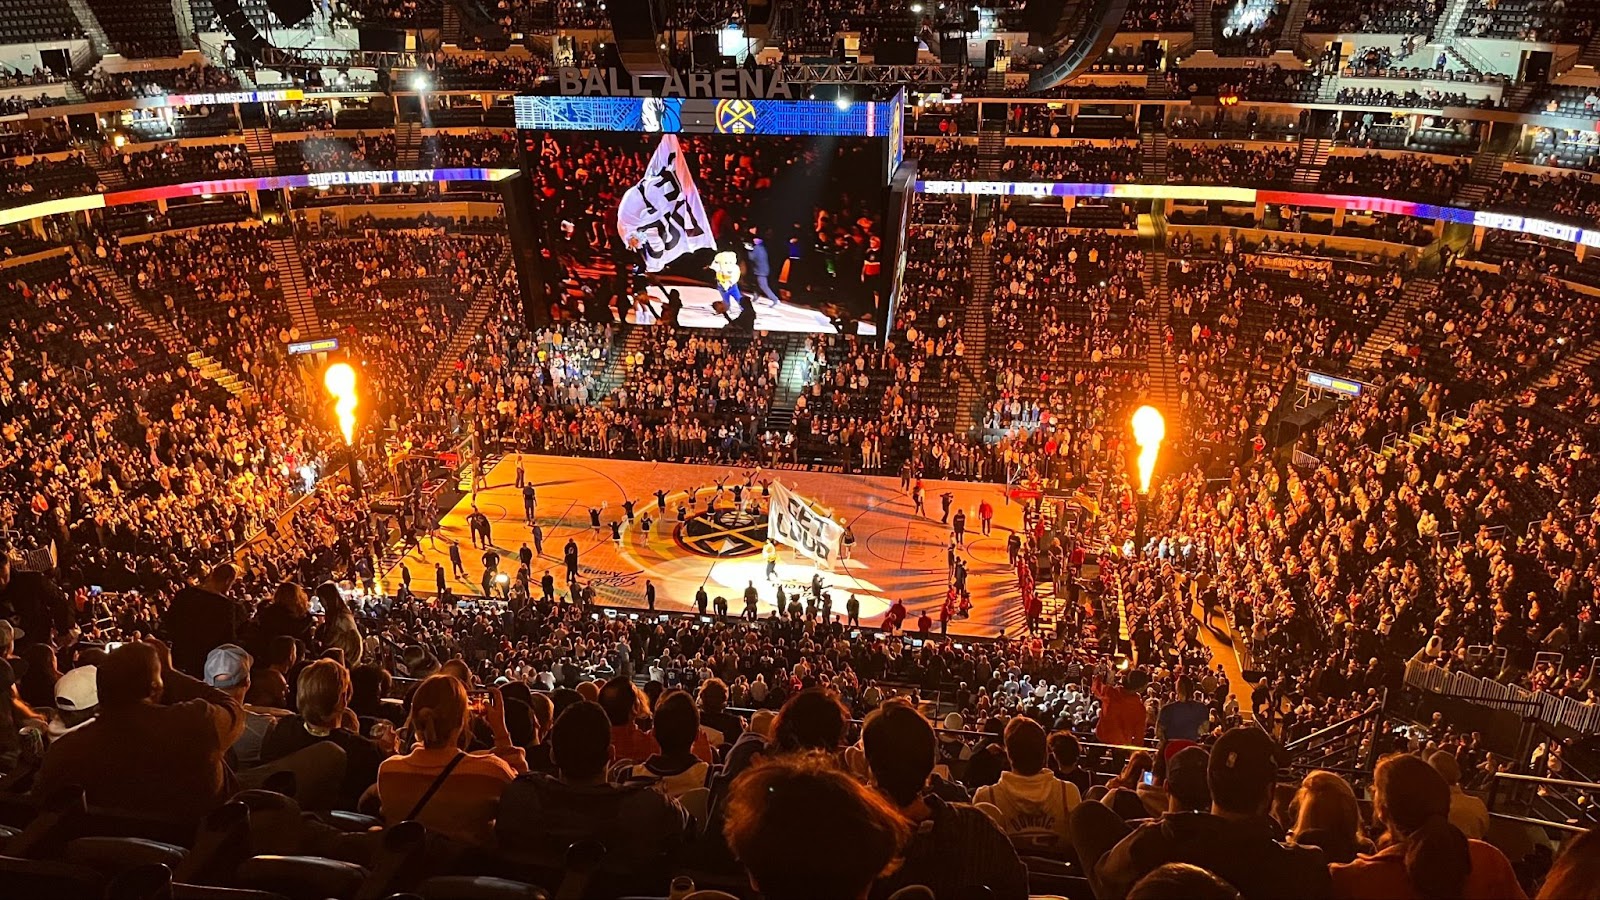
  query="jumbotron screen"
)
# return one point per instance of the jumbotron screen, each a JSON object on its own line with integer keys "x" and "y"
{"x": 728, "y": 228}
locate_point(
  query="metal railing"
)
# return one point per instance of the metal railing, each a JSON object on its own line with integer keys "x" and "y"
{"x": 1546, "y": 802}
{"x": 1553, "y": 711}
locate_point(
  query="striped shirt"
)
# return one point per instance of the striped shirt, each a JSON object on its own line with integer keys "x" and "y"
{"x": 464, "y": 806}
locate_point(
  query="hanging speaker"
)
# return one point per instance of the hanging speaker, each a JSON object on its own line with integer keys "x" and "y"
{"x": 290, "y": 12}
{"x": 237, "y": 24}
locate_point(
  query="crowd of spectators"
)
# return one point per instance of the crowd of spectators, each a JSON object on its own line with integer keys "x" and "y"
{"x": 1247, "y": 27}
{"x": 1264, "y": 83}
{"x": 1374, "y": 16}
{"x": 1430, "y": 98}
{"x": 1159, "y": 15}
{"x": 490, "y": 149}
{"x": 1330, "y": 572}
{"x": 195, "y": 79}
{"x": 174, "y": 162}
{"x": 1231, "y": 164}
{"x": 1409, "y": 176}
{"x": 1114, "y": 162}
{"x": 1569, "y": 195}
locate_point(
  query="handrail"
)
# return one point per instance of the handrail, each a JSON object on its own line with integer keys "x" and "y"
{"x": 1370, "y": 712}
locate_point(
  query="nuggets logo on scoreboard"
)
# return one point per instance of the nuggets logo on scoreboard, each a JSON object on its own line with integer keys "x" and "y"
{"x": 736, "y": 117}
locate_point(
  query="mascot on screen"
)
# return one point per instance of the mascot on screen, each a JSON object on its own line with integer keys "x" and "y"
{"x": 731, "y": 306}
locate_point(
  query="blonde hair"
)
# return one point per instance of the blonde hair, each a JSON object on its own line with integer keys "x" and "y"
{"x": 1325, "y": 802}
{"x": 322, "y": 691}
{"x": 438, "y": 711}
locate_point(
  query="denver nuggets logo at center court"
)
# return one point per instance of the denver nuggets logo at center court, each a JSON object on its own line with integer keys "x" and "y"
{"x": 736, "y": 117}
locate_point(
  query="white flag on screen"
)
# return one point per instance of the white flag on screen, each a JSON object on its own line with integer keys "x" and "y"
{"x": 662, "y": 216}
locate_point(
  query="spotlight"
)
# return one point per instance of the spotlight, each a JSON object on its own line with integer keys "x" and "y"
{"x": 419, "y": 81}
{"x": 843, "y": 102}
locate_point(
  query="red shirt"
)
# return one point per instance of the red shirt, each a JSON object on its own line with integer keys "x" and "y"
{"x": 632, "y": 743}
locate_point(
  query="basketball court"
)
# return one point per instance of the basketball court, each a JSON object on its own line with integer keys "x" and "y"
{"x": 896, "y": 553}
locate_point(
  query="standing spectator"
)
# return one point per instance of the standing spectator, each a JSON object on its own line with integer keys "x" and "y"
{"x": 624, "y": 705}
{"x": 1467, "y": 812}
{"x": 339, "y": 630}
{"x": 288, "y": 615}
{"x": 675, "y": 770}
{"x": 201, "y": 618}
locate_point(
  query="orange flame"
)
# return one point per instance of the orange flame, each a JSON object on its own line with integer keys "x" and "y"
{"x": 1148, "y": 431}
{"x": 340, "y": 380}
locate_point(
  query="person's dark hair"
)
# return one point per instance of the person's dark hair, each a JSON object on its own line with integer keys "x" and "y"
{"x": 1412, "y": 800}
{"x": 713, "y": 695}
{"x": 900, "y": 747}
{"x": 368, "y": 684}
{"x": 1576, "y": 873}
{"x": 561, "y": 699}
{"x": 804, "y": 829}
{"x": 280, "y": 651}
{"x": 1065, "y": 748}
{"x": 332, "y": 601}
{"x": 620, "y": 699}
{"x": 1181, "y": 881}
{"x": 1025, "y": 746}
{"x": 676, "y": 722}
{"x": 130, "y": 674}
{"x": 580, "y": 741}
{"x": 812, "y": 720}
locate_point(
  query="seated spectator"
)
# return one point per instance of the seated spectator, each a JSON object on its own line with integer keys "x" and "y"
{"x": 625, "y": 705}
{"x": 77, "y": 700}
{"x": 1467, "y": 812}
{"x": 803, "y": 829}
{"x": 450, "y": 791}
{"x": 1034, "y": 804}
{"x": 714, "y": 714}
{"x": 1065, "y": 751}
{"x": 953, "y": 846}
{"x": 1236, "y": 840}
{"x": 1574, "y": 875}
{"x": 228, "y": 670}
{"x": 1181, "y": 881}
{"x": 269, "y": 681}
{"x": 1423, "y": 854}
{"x": 1327, "y": 816}
{"x": 541, "y": 815}
{"x": 158, "y": 744}
{"x": 22, "y": 730}
{"x": 322, "y": 693}
{"x": 674, "y": 770}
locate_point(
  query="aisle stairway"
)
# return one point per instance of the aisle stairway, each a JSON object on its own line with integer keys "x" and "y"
{"x": 163, "y": 328}
{"x": 1163, "y": 365}
{"x": 483, "y": 304}
{"x": 1313, "y": 156}
{"x": 258, "y": 141}
{"x": 1153, "y": 157}
{"x": 1204, "y": 38}
{"x": 975, "y": 321}
{"x": 792, "y": 378}
{"x": 296, "y": 287}
{"x": 91, "y": 27}
{"x": 1293, "y": 26}
{"x": 408, "y": 141}
{"x": 109, "y": 173}
{"x": 1417, "y": 292}
{"x": 1485, "y": 172}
